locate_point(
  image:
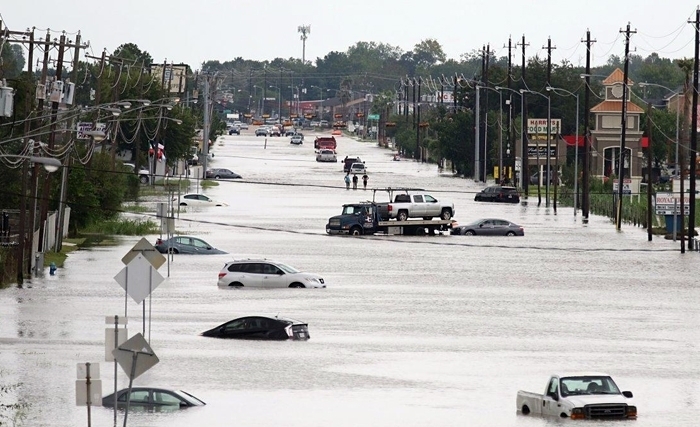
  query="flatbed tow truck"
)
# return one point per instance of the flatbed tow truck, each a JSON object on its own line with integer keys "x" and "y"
{"x": 371, "y": 217}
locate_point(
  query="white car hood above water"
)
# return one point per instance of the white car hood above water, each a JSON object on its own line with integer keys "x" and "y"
{"x": 598, "y": 399}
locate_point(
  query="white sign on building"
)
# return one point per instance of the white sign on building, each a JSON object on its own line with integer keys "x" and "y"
{"x": 539, "y": 126}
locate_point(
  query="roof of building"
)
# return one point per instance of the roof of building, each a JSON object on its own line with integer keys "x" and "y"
{"x": 616, "y": 76}
{"x": 616, "y": 107}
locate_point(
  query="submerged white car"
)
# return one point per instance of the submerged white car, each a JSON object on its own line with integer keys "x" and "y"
{"x": 264, "y": 273}
{"x": 326, "y": 156}
{"x": 197, "y": 199}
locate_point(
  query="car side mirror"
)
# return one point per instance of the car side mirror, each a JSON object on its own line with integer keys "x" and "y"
{"x": 627, "y": 394}
{"x": 481, "y": 225}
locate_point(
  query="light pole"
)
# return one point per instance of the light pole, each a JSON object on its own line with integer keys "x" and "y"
{"x": 676, "y": 175}
{"x": 556, "y": 89}
{"x": 50, "y": 165}
{"x": 549, "y": 141}
{"x": 522, "y": 128}
{"x": 279, "y": 102}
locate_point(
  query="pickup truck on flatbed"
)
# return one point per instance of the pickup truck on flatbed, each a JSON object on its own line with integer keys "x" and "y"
{"x": 414, "y": 203}
{"x": 365, "y": 218}
{"x": 579, "y": 396}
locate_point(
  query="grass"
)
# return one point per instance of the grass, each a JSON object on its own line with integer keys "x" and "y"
{"x": 137, "y": 209}
{"x": 208, "y": 183}
{"x": 123, "y": 227}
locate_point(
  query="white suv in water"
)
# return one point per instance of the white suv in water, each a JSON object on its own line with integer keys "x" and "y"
{"x": 264, "y": 273}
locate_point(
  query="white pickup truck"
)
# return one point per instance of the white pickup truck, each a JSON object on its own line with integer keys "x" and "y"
{"x": 417, "y": 205}
{"x": 579, "y": 396}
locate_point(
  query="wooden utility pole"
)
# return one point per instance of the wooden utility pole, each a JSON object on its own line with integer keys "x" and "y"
{"x": 549, "y": 173}
{"x": 586, "y": 195}
{"x": 694, "y": 133}
{"x": 649, "y": 180}
{"x": 524, "y": 172}
{"x": 623, "y": 124}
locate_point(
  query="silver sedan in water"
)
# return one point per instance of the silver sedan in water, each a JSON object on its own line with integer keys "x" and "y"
{"x": 489, "y": 227}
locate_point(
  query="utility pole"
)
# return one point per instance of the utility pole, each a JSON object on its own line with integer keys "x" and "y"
{"x": 405, "y": 97}
{"x": 649, "y": 207}
{"x": 205, "y": 127}
{"x": 586, "y": 195}
{"x": 510, "y": 132}
{"x": 264, "y": 94}
{"x": 483, "y": 148}
{"x": 623, "y": 124}
{"x": 413, "y": 84}
{"x": 454, "y": 93}
{"x": 524, "y": 173}
{"x": 52, "y": 143}
{"x": 418, "y": 146}
{"x": 694, "y": 133}
{"x": 549, "y": 122}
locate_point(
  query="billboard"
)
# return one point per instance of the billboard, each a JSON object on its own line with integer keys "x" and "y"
{"x": 172, "y": 76}
{"x": 539, "y": 126}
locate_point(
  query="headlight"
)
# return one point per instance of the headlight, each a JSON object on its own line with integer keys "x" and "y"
{"x": 311, "y": 279}
{"x": 631, "y": 411}
{"x": 578, "y": 414}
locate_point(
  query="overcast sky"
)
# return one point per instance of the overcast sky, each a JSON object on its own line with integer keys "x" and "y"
{"x": 194, "y": 31}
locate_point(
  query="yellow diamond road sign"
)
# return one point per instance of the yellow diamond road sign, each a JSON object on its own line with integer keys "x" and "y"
{"x": 149, "y": 252}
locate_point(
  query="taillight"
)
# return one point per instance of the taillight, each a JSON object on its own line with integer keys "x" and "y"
{"x": 159, "y": 241}
{"x": 390, "y": 208}
{"x": 221, "y": 275}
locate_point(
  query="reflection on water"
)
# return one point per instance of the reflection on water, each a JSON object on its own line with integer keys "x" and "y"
{"x": 412, "y": 331}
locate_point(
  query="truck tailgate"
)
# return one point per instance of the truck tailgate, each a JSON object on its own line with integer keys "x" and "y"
{"x": 533, "y": 402}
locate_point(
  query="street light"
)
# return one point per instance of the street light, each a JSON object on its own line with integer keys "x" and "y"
{"x": 50, "y": 165}
{"x": 675, "y": 171}
{"x": 549, "y": 140}
{"x": 279, "y": 102}
{"x": 522, "y": 131}
{"x": 555, "y": 89}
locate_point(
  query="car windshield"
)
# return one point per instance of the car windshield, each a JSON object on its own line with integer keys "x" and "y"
{"x": 588, "y": 385}
{"x": 288, "y": 269}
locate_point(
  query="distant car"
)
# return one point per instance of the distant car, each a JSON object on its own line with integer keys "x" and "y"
{"x": 235, "y": 130}
{"x": 489, "y": 227}
{"x": 314, "y": 124}
{"x": 186, "y": 245}
{"x": 324, "y": 123}
{"x": 498, "y": 193}
{"x": 357, "y": 168}
{"x": 197, "y": 199}
{"x": 296, "y": 139}
{"x": 144, "y": 173}
{"x": 222, "y": 173}
{"x": 261, "y": 132}
{"x": 261, "y": 328}
{"x": 264, "y": 273}
{"x": 290, "y": 132}
{"x": 274, "y": 131}
{"x": 153, "y": 397}
{"x": 326, "y": 156}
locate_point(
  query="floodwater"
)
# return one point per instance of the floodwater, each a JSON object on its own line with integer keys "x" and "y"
{"x": 411, "y": 331}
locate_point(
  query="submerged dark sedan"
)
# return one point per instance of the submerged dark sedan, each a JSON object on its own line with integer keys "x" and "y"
{"x": 153, "y": 397}
{"x": 261, "y": 328}
{"x": 489, "y": 227}
{"x": 186, "y": 245}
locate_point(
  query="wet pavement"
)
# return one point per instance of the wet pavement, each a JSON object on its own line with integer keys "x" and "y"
{"x": 411, "y": 331}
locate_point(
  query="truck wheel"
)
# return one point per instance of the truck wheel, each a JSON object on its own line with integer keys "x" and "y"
{"x": 144, "y": 179}
{"x": 420, "y": 231}
{"x": 356, "y": 231}
{"x": 402, "y": 216}
{"x": 446, "y": 214}
{"x": 525, "y": 410}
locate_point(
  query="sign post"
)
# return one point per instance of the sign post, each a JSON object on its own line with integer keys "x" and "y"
{"x": 88, "y": 387}
{"x": 127, "y": 355}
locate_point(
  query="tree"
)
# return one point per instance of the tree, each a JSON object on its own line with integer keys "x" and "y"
{"x": 11, "y": 61}
{"x": 132, "y": 52}
{"x": 428, "y": 52}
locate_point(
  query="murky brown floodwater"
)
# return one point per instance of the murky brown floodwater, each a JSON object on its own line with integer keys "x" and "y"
{"x": 412, "y": 331}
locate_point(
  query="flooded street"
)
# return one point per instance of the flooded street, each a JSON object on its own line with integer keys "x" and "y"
{"x": 411, "y": 331}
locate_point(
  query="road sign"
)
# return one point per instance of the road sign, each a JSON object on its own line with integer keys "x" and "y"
{"x": 626, "y": 186}
{"x": 81, "y": 394}
{"x": 373, "y": 117}
{"x": 139, "y": 278}
{"x": 145, "y": 248}
{"x": 89, "y": 371}
{"x": 135, "y": 356}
